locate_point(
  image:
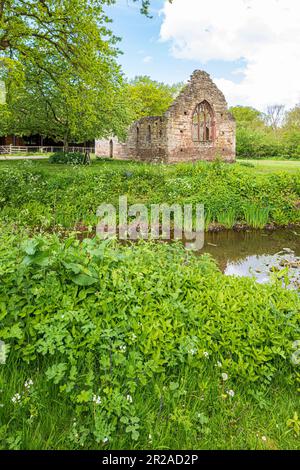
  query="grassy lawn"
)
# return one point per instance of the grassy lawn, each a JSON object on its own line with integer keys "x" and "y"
{"x": 273, "y": 166}
{"x": 257, "y": 166}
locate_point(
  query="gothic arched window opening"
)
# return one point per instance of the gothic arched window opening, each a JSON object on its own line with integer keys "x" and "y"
{"x": 203, "y": 123}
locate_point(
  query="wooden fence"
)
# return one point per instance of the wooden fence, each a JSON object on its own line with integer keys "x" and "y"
{"x": 30, "y": 149}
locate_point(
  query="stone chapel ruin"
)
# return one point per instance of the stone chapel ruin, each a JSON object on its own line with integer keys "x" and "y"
{"x": 197, "y": 126}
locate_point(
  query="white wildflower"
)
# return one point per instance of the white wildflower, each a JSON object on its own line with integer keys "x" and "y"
{"x": 231, "y": 393}
{"x": 105, "y": 440}
{"x": 3, "y": 352}
{"x": 219, "y": 364}
{"x": 205, "y": 354}
{"x": 97, "y": 399}
{"x": 224, "y": 377}
{"x": 129, "y": 398}
{"x": 28, "y": 384}
{"x": 193, "y": 352}
{"x": 16, "y": 398}
{"x": 123, "y": 348}
{"x": 264, "y": 439}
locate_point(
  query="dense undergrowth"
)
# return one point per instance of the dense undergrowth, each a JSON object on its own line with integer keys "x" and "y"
{"x": 261, "y": 144}
{"x": 144, "y": 346}
{"x": 46, "y": 197}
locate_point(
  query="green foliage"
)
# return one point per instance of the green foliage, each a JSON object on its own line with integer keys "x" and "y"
{"x": 150, "y": 98}
{"x": 59, "y": 63}
{"x": 247, "y": 117}
{"x": 257, "y": 140}
{"x": 256, "y": 216}
{"x": 292, "y": 119}
{"x": 63, "y": 197}
{"x": 67, "y": 158}
{"x": 262, "y": 144}
{"x": 126, "y": 345}
{"x": 155, "y": 316}
{"x": 227, "y": 218}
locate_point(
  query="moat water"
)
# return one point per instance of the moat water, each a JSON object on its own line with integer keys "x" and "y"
{"x": 257, "y": 254}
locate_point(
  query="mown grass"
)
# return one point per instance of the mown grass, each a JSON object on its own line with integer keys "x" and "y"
{"x": 272, "y": 166}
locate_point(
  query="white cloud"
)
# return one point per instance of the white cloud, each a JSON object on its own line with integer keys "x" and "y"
{"x": 265, "y": 33}
{"x": 147, "y": 59}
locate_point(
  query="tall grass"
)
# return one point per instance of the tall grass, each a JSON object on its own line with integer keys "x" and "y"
{"x": 256, "y": 216}
{"x": 227, "y": 218}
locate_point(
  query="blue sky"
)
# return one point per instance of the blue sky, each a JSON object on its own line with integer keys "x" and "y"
{"x": 249, "y": 47}
{"x": 145, "y": 54}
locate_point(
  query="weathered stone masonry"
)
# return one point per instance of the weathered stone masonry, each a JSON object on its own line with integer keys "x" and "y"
{"x": 197, "y": 126}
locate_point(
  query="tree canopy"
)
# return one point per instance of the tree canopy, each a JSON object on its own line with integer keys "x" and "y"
{"x": 59, "y": 66}
{"x": 150, "y": 98}
{"x": 292, "y": 118}
{"x": 248, "y": 117}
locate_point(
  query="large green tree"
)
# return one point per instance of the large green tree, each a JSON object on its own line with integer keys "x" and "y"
{"x": 247, "y": 117}
{"x": 68, "y": 106}
{"x": 292, "y": 118}
{"x": 150, "y": 98}
{"x": 59, "y": 65}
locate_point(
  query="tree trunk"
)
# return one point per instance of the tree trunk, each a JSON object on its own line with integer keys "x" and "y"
{"x": 66, "y": 143}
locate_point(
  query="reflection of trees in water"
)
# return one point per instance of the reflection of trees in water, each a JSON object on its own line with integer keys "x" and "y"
{"x": 233, "y": 246}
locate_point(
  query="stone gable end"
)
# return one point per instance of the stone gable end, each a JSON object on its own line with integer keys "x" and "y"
{"x": 197, "y": 126}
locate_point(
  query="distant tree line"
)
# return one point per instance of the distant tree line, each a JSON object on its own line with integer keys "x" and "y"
{"x": 60, "y": 78}
{"x": 274, "y": 134}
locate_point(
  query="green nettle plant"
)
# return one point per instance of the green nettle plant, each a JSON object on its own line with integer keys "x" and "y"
{"x": 103, "y": 325}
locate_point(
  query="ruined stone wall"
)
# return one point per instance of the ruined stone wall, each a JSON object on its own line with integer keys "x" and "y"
{"x": 147, "y": 140}
{"x": 111, "y": 148}
{"x": 169, "y": 138}
{"x": 181, "y": 146}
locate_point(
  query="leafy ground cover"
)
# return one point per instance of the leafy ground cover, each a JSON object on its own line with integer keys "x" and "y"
{"x": 38, "y": 194}
{"x": 144, "y": 346}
